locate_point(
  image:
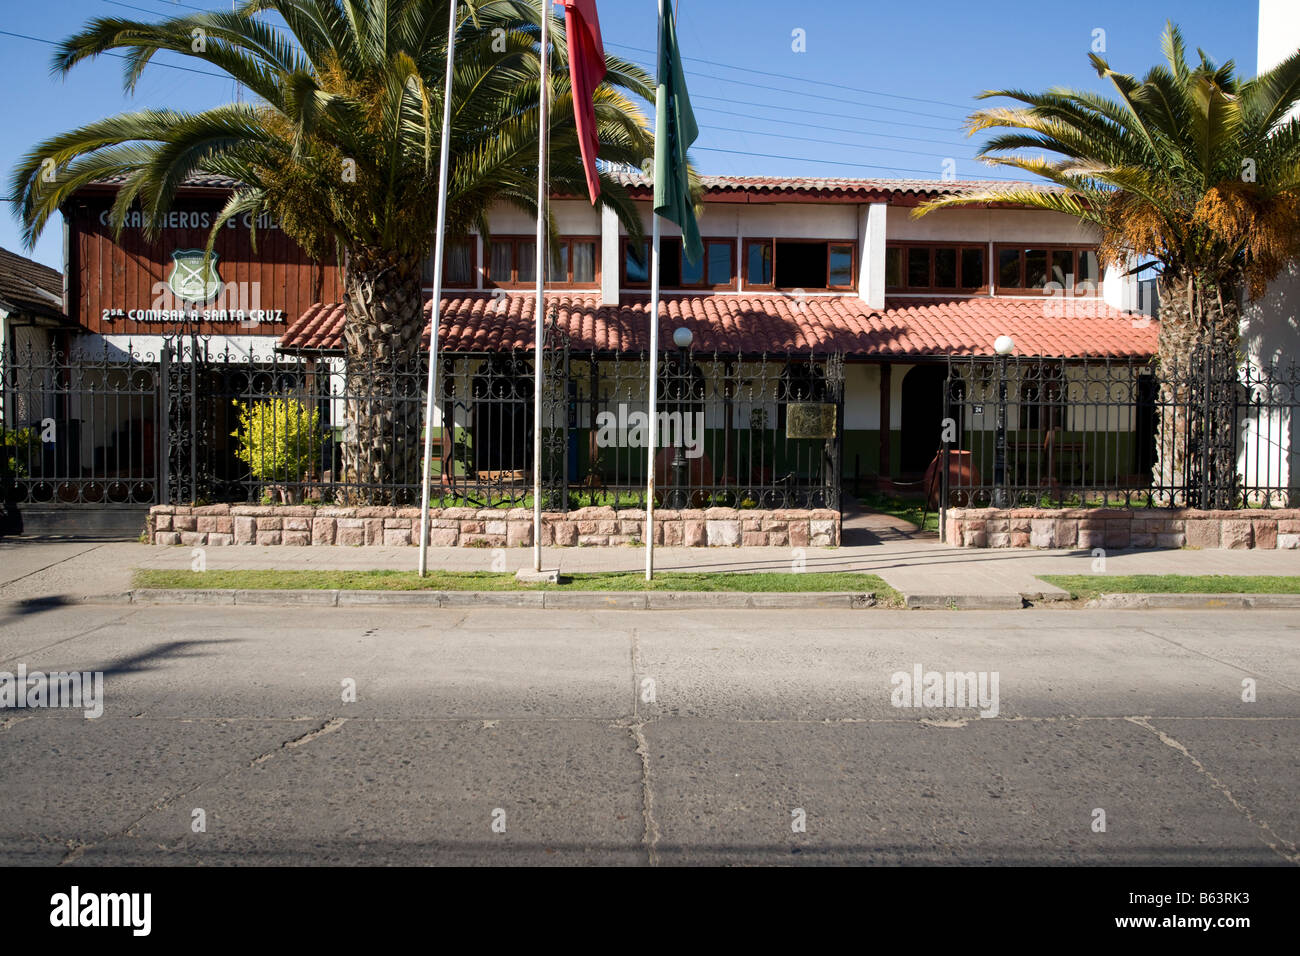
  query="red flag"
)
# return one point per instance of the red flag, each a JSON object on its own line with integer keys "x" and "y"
{"x": 586, "y": 70}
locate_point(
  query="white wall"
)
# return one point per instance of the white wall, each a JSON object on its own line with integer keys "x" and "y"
{"x": 1270, "y": 330}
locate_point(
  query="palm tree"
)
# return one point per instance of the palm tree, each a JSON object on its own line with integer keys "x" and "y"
{"x": 1192, "y": 171}
{"x": 340, "y": 145}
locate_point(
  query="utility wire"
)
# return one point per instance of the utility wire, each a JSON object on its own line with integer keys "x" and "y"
{"x": 120, "y": 56}
{"x": 799, "y": 79}
{"x": 832, "y": 162}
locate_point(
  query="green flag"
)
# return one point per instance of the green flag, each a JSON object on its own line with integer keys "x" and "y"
{"x": 675, "y": 131}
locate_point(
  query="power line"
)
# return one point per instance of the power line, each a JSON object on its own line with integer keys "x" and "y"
{"x": 820, "y": 126}
{"x": 800, "y": 79}
{"x": 120, "y": 56}
{"x": 837, "y": 142}
{"x": 820, "y": 96}
{"x": 808, "y": 112}
{"x": 833, "y": 162}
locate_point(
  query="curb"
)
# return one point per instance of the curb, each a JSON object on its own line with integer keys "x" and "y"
{"x": 964, "y": 602}
{"x": 1195, "y": 602}
{"x": 558, "y": 600}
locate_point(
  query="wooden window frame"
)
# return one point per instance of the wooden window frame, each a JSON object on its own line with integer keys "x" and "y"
{"x": 745, "y": 284}
{"x": 701, "y": 286}
{"x": 491, "y": 282}
{"x": 826, "y": 286}
{"x": 476, "y": 271}
{"x": 930, "y": 287}
{"x": 1048, "y": 248}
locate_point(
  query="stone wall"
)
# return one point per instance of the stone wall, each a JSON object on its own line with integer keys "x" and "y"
{"x": 216, "y": 525}
{"x": 1088, "y": 528}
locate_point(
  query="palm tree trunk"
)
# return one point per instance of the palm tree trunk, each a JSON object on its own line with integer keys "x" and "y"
{"x": 1196, "y": 463}
{"x": 382, "y": 330}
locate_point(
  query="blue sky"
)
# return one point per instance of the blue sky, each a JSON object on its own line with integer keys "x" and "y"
{"x": 880, "y": 90}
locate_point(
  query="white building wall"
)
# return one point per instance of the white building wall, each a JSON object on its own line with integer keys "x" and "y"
{"x": 1270, "y": 329}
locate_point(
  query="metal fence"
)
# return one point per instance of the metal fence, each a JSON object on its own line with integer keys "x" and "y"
{"x": 192, "y": 425}
{"x": 1203, "y": 431}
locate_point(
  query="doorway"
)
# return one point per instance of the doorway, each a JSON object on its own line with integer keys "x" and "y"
{"x": 922, "y": 418}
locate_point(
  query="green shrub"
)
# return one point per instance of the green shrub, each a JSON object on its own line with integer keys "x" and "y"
{"x": 20, "y": 447}
{"x": 279, "y": 440}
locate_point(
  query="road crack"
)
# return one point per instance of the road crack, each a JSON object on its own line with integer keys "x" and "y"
{"x": 331, "y": 725}
{"x": 1286, "y": 850}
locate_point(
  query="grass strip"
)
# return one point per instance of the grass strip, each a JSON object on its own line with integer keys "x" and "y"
{"x": 1089, "y": 586}
{"x": 760, "y": 581}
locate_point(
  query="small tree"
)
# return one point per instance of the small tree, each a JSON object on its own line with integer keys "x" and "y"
{"x": 280, "y": 440}
{"x": 1192, "y": 168}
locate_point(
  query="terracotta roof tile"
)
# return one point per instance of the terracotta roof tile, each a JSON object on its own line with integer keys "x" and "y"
{"x": 836, "y": 187}
{"x": 27, "y": 286}
{"x": 480, "y": 322}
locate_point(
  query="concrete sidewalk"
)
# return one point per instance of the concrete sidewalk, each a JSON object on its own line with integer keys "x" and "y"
{"x": 911, "y": 562}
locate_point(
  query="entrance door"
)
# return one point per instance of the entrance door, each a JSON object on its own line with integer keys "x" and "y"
{"x": 922, "y": 417}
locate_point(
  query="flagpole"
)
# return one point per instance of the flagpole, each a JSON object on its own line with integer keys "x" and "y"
{"x": 436, "y": 311}
{"x": 539, "y": 311}
{"x": 653, "y": 441}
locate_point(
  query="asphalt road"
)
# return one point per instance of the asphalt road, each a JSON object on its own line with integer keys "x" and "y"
{"x": 650, "y": 738}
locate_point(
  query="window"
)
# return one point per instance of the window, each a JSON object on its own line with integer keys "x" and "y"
{"x": 758, "y": 265}
{"x": 512, "y": 262}
{"x": 934, "y": 267}
{"x": 716, "y": 269}
{"x": 459, "y": 265}
{"x": 800, "y": 264}
{"x": 1065, "y": 268}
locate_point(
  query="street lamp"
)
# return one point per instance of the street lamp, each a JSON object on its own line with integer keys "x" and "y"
{"x": 1003, "y": 345}
{"x": 682, "y": 338}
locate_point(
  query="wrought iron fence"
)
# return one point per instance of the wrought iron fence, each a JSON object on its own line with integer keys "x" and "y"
{"x": 81, "y": 429}
{"x": 1203, "y": 431}
{"x": 190, "y": 424}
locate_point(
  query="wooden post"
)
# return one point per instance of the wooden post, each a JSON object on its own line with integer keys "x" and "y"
{"x": 886, "y": 462}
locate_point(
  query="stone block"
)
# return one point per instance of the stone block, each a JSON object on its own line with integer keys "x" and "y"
{"x": 694, "y": 534}
{"x": 397, "y": 537}
{"x": 1203, "y": 534}
{"x": 1265, "y": 534}
{"x": 753, "y": 539}
{"x": 723, "y": 533}
{"x": 265, "y": 538}
{"x": 349, "y": 535}
{"x": 322, "y": 531}
{"x": 1236, "y": 534}
{"x": 443, "y": 537}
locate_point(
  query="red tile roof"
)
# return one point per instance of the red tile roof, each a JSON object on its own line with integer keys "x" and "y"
{"x": 27, "y": 286}
{"x": 639, "y": 185}
{"x": 730, "y": 188}
{"x": 731, "y": 324}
